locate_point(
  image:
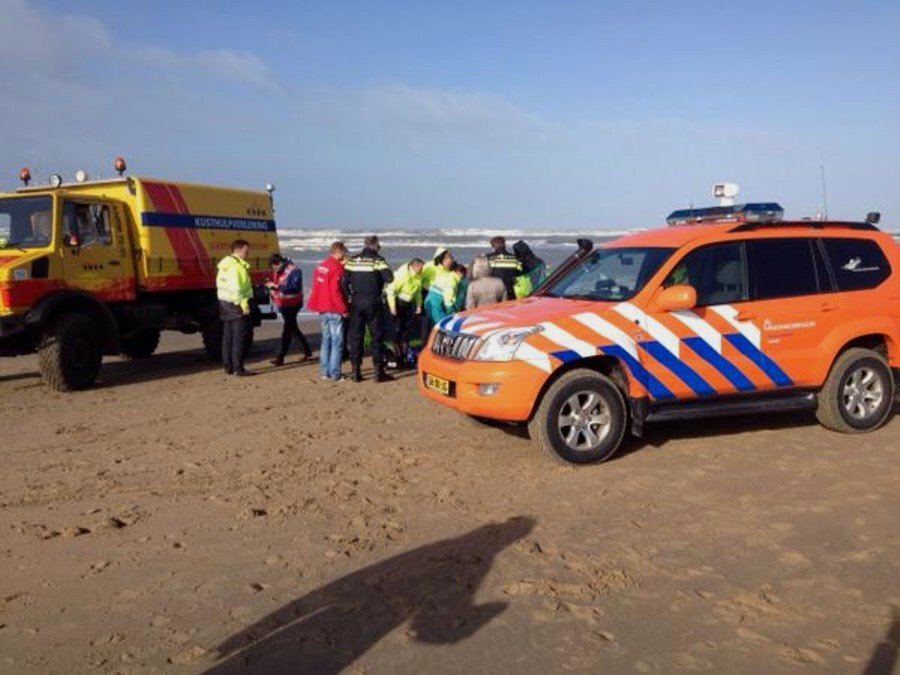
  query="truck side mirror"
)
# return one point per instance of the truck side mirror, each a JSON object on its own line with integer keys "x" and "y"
{"x": 680, "y": 296}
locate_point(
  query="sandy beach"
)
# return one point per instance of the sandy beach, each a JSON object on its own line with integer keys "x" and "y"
{"x": 172, "y": 520}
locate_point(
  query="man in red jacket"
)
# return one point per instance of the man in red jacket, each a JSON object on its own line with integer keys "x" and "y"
{"x": 327, "y": 298}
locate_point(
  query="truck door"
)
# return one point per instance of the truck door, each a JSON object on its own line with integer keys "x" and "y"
{"x": 96, "y": 251}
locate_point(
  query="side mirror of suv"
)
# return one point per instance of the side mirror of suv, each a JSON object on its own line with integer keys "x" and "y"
{"x": 680, "y": 296}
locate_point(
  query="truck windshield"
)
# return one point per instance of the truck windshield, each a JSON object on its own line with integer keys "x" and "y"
{"x": 26, "y": 222}
{"x": 613, "y": 274}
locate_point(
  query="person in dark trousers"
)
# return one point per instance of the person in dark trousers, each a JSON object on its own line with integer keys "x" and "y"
{"x": 365, "y": 277}
{"x": 286, "y": 290}
{"x": 234, "y": 291}
{"x": 504, "y": 266}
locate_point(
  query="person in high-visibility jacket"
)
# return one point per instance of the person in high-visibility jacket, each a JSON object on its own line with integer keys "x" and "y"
{"x": 404, "y": 298}
{"x": 234, "y": 290}
{"x": 504, "y": 266}
{"x": 534, "y": 270}
{"x": 442, "y": 291}
{"x": 429, "y": 271}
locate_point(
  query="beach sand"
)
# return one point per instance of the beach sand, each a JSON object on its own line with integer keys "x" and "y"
{"x": 173, "y": 520}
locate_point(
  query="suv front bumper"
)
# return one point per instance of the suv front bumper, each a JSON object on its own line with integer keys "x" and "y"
{"x": 520, "y": 386}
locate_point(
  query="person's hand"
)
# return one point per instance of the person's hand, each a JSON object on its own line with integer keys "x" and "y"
{"x": 392, "y": 311}
{"x": 245, "y": 312}
{"x": 418, "y": 310}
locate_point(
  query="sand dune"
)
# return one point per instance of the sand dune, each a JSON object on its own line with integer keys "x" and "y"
{"x": 171, "y": 520}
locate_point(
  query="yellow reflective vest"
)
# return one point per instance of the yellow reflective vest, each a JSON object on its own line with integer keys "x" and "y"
{"x": 233, "y": 282}
{"x": 407, "y": 286}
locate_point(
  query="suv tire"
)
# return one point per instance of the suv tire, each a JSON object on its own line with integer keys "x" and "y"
{"x": 858, "y": 395}
{"x": 581, "y": 418}
{"x": 69, "y": 353}
{"x": 141, "y": 344}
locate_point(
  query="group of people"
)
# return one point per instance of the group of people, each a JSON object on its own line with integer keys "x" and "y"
{"x": 353, "y": 293}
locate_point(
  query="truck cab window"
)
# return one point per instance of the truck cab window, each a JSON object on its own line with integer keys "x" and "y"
{"x": 87, "y": 224}
{"x": 26, "y": 222}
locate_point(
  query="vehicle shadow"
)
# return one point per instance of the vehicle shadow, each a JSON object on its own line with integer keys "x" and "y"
{"x": 656, "y": 436}
{"x": 884, "y": 655}
{"x": 432, "y": 587}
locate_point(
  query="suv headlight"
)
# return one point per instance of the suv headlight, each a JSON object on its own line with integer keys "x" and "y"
{"x": 501, "y": 345}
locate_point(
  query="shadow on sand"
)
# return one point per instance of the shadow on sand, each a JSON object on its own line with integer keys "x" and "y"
{"x": 432, "y": 587}
{"x": 884, "y": 656}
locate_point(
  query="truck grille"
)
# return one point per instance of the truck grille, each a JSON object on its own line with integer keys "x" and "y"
{"x": 453, "y": 345}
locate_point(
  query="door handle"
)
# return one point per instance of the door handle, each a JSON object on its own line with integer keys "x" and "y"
{"x": 829, "y": 307}
{"x": 745, "y": 316}
{"x": 114, "y": 262}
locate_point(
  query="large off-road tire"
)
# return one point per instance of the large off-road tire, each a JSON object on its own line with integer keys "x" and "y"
{"x": 212, "y": 338}
{"x": 69, "y": 353}
{"x": 141, "y": 344}
{"x": 858, "y": 395}
{"x": 581, "y": 418}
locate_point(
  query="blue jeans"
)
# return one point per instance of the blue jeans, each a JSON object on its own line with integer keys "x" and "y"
{"x": 332, "y": 344}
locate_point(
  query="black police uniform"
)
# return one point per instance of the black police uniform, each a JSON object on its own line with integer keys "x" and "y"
{"x": 505, "y": 267}
{"x": 365, "y": 277}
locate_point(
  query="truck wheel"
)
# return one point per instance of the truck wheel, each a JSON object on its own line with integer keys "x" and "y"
{"x": 858, "y": 395}
{"x": 212, "y": 338}
{"x": 581, "y": 419}
{"x": 141, "y": 344}
{"x": 69, "y": 353}
{"x": 248, "y": 343}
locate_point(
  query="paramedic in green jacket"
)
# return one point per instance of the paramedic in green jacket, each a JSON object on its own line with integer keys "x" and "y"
{"x": 234, "y": 291}
{"x": 404, "y": 299}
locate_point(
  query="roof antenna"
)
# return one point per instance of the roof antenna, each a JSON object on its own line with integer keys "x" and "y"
{"x": 824, "y": 192}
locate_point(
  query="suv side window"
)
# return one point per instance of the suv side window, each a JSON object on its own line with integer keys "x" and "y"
{"x": 717, "y": 272}
{"x": 87, "y": 223}
{"x": 781, "y": 268}
{"x": 857, "y": 264}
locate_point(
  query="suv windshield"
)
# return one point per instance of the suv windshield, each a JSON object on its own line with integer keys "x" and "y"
{"x": 610, "y": 274}
{"x": 26, "y": 222}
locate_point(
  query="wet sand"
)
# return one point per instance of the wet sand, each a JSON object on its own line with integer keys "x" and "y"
{"x": 173, "y": 520}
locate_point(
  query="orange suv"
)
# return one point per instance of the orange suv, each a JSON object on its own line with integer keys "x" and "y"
{"x": 728, "y": 310}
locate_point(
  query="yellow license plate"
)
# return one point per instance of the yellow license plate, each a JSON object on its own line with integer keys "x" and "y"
{"x": 438, "y": 384}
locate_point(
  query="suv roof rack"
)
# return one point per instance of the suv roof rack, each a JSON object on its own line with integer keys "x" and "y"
{"x": 761, "y": 212}
{"x": 814, "y": 224}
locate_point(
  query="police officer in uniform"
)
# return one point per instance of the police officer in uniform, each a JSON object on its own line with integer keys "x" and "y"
{"x": 504, "y": 266}
{"x": 365, "y": 277}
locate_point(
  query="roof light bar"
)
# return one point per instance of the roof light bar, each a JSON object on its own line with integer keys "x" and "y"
{"x": 763, "y": 212}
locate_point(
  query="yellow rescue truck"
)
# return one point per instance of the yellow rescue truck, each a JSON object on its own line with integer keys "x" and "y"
{"x": 93, "y": 268}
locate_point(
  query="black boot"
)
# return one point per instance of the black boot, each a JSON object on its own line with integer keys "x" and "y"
{"x": 357, "y": 374}
{"x": 382, "y": 376}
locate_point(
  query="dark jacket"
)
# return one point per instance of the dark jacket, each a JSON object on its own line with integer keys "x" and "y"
{"x": 505, "y": 267}
{"x": 365, "y": 276}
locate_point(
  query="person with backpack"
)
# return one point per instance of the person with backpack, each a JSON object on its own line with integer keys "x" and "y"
{"x": 286, "y": 290}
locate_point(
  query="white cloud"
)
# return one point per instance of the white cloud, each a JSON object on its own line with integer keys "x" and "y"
{"x": 418, "y": 117}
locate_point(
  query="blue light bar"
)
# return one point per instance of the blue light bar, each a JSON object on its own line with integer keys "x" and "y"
{"x": 763, "y": 212}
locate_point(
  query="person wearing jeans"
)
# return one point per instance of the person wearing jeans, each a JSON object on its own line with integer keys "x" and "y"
{"x": 332, "y": 344}
{"x": 327, "y": 298}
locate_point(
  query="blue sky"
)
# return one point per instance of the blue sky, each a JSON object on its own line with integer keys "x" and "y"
{"x": 577, "y": 115}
